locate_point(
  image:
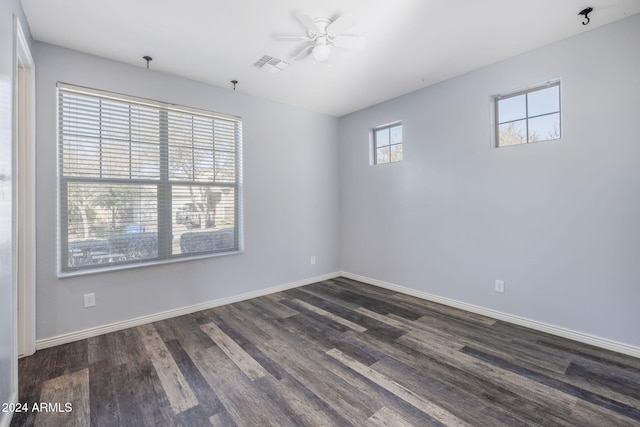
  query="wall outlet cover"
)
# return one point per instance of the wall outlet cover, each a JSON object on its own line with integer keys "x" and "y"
{"x": 89, "y": 300}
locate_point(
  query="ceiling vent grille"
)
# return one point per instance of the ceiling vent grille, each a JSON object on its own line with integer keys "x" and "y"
{"x": 271, "y": 64}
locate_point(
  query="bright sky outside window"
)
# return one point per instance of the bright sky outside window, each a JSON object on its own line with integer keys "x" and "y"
{"x": 528, "y": 116}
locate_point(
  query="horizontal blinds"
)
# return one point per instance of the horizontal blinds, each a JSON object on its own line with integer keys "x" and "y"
{"x": 140, "y": 180}
{"x": 103, "y": 138}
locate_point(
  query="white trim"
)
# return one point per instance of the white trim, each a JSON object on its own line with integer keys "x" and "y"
{"x": 5, "y": 418}
{"x": 118, "y": 267}
{"x": 24, "y": 143}
{"x": 117, "y": 326}
{"x": 517, "y": 320}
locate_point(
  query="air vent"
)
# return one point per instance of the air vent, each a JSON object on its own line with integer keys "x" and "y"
{"x": 271, "y": 64}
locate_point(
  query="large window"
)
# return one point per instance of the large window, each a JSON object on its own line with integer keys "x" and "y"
{"x": 141, "y": 181}
{"x": 387, "y": 144}
{"x": 528, "y": 116}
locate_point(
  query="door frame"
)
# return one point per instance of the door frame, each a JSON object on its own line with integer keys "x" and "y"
{"x": 24, "y": 85}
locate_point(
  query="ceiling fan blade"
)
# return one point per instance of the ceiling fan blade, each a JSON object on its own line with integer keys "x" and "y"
{"x": 349, "y": 42}
{"x": 295, "y": 38}
{"x": 304, "y": 53}
{"x": 340, "y": 25}
{"x": 308, "y": 23}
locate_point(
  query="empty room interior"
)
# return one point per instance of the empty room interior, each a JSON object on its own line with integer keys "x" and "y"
{"x": 339, "y": 213}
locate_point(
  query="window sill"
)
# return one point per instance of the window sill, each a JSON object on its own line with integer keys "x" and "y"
{"x": 116, "y": 268}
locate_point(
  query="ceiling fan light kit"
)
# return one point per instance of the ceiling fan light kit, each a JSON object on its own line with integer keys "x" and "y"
{"x": 321, "y": 52}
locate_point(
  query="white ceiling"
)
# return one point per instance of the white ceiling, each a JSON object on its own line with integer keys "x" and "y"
{"x": 410, "y": 43}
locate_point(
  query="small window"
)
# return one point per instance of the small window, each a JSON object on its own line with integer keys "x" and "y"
{"x": 387, "y": 143}
{"x": 528, "y": 116}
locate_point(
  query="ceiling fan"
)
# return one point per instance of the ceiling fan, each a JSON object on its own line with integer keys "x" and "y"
{"x": 323, "y": 34}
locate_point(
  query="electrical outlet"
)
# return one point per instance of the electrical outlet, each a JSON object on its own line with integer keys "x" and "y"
{"x": 313, "y": 259}
{"x": 89, "y": 300}
{"x": 500, "y": 286}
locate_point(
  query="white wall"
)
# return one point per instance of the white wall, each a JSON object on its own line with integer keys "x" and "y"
{"x": 558, "y": 221}
{"x": 8, "y": 360}
{"x": 290, "y": 200}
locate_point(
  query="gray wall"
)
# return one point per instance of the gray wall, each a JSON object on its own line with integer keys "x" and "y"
{"x": 558, "y": 221}
{"x": 290, "y": 200}
{"x": 8, "y": 362}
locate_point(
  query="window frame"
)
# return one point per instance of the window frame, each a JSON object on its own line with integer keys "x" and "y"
{"x": 164, "y": 183}
{"x": 374, "y": 142}
{"x": 525, "y": 91}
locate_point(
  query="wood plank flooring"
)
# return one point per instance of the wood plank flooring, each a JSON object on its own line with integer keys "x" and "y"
{"x": 335, "y": 353}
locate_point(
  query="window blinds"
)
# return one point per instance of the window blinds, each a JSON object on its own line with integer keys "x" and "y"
{"x": 144, "y": 181}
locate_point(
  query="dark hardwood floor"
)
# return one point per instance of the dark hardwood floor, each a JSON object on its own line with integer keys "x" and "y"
{"x": 335, "y": 353}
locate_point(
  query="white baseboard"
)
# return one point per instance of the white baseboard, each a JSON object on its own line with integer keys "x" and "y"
{"x": 522, "y": 321}
{"x": 5, "y": 417}
{"x": 117, "y": 326}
